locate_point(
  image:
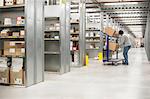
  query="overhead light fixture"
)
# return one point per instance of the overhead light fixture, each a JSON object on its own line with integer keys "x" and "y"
{"x": 121, "y": 3}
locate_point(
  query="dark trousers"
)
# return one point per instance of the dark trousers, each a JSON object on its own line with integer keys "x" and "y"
{"x": 125, "y": 54}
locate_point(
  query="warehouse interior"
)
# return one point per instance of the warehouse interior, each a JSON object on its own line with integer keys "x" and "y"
{"x": 70, "y": 49}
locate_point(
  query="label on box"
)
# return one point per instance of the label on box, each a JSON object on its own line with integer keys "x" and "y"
{"x": 22, "y": 50}
{"x": 12, "y": 43}
{"x": 12, "y": 50}
{"x": 3, "y": 80}
{"x": 18, "y": 81}
{"x": 20, "y": 1}
{"x": 22, "y": 32}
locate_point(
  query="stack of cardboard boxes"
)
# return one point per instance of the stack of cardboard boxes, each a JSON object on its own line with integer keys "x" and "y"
{"x": 113, "y": 46}
{"x": 11, "y": 71}
{"x": 14, "y": 48}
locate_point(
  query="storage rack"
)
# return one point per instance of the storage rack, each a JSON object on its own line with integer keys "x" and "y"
{"x": 77, "y": 33}
{"x": 20, "y": 34}
{"x": 93, "y": 36}
{"x": 56, "y": 39}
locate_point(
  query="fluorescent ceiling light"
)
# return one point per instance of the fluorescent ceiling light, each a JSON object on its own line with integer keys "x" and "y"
{"x": 121, "y": 3}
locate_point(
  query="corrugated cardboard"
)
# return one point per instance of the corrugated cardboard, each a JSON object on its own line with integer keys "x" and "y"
{"x": 113, "y": 46}
{"x": 14, "y": 44}
{"x": 19, "y": 1}
{"x": 109, "y": 31}
{"x": 14, "y": 52}
{"x": 4, "y": 75}
{"x": 16, "y": 76}
{"x": 16, "y": 71}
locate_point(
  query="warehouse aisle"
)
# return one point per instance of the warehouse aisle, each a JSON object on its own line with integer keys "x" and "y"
{"x": 93, "y": 82}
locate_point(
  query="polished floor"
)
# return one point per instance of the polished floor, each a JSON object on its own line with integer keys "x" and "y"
{"x": 93, "y": 82}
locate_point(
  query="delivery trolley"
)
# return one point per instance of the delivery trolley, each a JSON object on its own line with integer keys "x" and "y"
{"x": 110, "y": 47}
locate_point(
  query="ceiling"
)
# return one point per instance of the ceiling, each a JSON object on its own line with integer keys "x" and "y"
{"x": 131, "y": 14}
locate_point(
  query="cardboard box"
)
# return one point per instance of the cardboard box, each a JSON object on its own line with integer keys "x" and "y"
{"x": 14, "y": 52}
{"x": 113, "y": 46}
{"x": 22, "y": 33}
{"x": 14, "y": 44}
{"x": 10, "y": 2}
{"x": 109, "y": 31}
{"x": 16, "y": 71}
{"x": 19, "y": 1}
{"x": 4, "y": 75}
{"x": 16, "y": 76}
{"x": 7, "y": 21}
{"x": 1, "y": 2}
{"x": 20, "y": 52}
{"x": 16, "y": 34}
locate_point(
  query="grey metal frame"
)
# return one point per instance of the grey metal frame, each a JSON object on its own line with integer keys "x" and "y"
{"x": 147, "y": 36}
{"x": 61, "y": 11}
{"x": 82, "y": 47}
{"x": 34, "y": 42}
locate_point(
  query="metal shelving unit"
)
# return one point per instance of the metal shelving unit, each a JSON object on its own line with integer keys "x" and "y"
{"x": 56, "y": 39}
{"x": 93, "y": 35}
{"x": 24, "y": 51}
{"x": 77, "y": 33}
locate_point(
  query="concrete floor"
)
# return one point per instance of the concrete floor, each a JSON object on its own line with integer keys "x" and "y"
{"x": 93, "y": 82}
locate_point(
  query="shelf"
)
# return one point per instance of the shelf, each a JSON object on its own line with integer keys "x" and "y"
{"x": 74, "y": 50}
{"x": 74, "y": 22}
{"x": 11, "y": 26}
{"x": 53, "y": 53}
{"x": 93, "y": 37}
{"x": 13, "y": 56}
{"x": 12, "y": 6}
{"x": 93, "y": 41}
{"x": 50, "y": 39}
{"x": 92, "y": 30}
{"x": 52, "y": 30}
{"x": 74, "y": 33}
{"x": 92, "y": 49}
{"x": 75, "y": 40}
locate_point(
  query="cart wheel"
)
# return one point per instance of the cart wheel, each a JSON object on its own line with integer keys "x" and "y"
{"x": 104, "y": 63}
{"x": 115, "y": 63}
{"x": 123, "y": 61}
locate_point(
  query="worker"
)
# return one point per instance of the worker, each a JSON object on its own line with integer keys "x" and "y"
{"x": 125, "y": 43}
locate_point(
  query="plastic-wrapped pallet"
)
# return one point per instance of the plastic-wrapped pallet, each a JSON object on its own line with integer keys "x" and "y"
{"x": 4, "y": 71}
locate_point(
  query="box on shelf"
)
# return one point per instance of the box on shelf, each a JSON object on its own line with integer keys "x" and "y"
{"x": 16, "y": 76}
{"x": 14, "y": 52}
{"x": 22, "y": 33}
{"x": 7, "y": 21}
{"x": 4, "y": 75}
{"x": 1, "y": 2}
{"x": 113, "y": 46}
{"x": 20, "y": 52}
{"x": 10, "y": 2}
{"x": 16, "y": 71}
{"x": 109, "y": 31}
{"x": 15, "y": 34}
{"x": 20, "y": 20}
{"x": 19, "y": 1}
{"x": 14, "y": 44}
